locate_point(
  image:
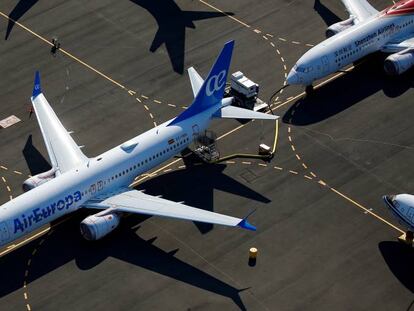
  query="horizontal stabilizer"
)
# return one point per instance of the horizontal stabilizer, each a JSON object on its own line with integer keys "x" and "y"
{"x": 196, "y": 80}
{"x": 232, "y": 112}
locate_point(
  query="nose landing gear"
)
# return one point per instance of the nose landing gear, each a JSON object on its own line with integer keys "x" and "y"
{"x": 407, "y": 238}
{"x": 309, "y": 90}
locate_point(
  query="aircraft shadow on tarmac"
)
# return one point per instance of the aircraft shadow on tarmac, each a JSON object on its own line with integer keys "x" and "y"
{"x": 19, "y": 10}
{"x": 195, "y": 186}
{"x": 66, "y": 245}
{"x": 340, "y": 94}
{"x": 399, "y": 258}
{"x": 172, "y": 23}
{"x": 35, "y": 161}
{"x": 327, "y": 15}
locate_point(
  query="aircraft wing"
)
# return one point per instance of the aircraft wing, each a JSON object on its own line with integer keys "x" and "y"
{"x": 360, "y": 9}
{"x": 63, "y": 152}
{"x": 137, "y": 202}
{"x": 400, "y": 44}
{"x": 232, "y": 112}
{"x": 196, "y": 80}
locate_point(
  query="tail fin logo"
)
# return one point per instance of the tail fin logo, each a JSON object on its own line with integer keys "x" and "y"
{"x": 216, "y": 82}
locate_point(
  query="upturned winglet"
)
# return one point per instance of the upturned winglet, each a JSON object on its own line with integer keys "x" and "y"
{"x": 245, "y": 224}
{"x": 37, "y": 90}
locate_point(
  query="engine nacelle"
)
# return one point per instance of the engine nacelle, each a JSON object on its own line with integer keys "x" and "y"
{"x": 96, "y": 227}
{"x": 338, "y": 27}
{"x": 37, "y": 180}
{"x": 399, "y": 63}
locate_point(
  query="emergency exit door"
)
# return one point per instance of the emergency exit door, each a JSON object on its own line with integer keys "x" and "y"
{"x": 325, "y": 64}
{"x": 4, "y": 232}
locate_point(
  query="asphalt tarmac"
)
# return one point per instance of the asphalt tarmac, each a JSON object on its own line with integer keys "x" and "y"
{"x": 325, "y": 239}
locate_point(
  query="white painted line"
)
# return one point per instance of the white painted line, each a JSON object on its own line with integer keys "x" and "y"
{"x": 9, "y": 121}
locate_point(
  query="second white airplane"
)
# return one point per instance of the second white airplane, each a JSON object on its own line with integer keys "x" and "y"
{"x": 101, "y": 183}
{"x": 366, "y": 31}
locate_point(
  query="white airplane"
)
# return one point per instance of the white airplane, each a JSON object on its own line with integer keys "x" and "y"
{"x": 366, "y": 31}
{"x": 102, "y": 183}
{"x": 402, "y": 207}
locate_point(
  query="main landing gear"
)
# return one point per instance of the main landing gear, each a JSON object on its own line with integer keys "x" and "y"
{"x": 407, "y": 238}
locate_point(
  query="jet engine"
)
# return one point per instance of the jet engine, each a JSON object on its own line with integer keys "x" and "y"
{"x": 338, "y": 27}
{"x": 37, "y": 180}
{"x": 400, "y": 62}
{"x": 97, "y": 226}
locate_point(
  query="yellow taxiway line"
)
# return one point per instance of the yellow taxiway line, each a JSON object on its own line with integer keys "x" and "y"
{"x": 28, "y": 239}
{"x": 366, "y": 210}
{"x": 12, "y": 247}
{"x": 64, "y": 51}
{"x": 224, "y": 13}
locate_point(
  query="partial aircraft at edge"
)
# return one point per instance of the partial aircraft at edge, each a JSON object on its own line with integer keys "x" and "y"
{"x": 402, "y": 207}
{"x": 365, "y": 31}
{"x": 76, "y": 181}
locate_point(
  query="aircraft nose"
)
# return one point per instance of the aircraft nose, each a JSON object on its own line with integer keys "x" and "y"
{"x": 389, "y": 199}
{"x": 292, "y": 77}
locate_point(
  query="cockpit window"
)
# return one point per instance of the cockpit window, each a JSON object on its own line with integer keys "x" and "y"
{"x": 303, "y": 69}
{"x": 395, "y": 202}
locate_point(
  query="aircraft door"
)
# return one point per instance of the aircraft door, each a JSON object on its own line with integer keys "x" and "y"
{"x": 325, "y": 64}
{"x": 4, "y": 233}
{"x": 196, "y": 131}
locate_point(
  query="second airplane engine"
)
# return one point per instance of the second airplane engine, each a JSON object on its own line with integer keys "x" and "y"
{"x": 96, "y": 227}
{"x": 338, "y": 27}
{"x": 37, "y": 180}
{"x": 400, "y": 62}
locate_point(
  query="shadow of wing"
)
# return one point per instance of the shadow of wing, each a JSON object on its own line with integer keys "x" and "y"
{"x": 35, "y": 161}
{"x": 327, "y": 15}
{"x": 144, "y": 254}
{"x": 19, "y": 10}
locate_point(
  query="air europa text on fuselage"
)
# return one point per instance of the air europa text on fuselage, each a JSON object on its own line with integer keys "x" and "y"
{"x": 39, "y": 214}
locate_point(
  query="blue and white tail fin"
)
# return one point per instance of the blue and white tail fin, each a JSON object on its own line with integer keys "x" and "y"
{"x": 226, "y": 111}
{"x": 209, "y": 93}
{"x": 212, "y": 91}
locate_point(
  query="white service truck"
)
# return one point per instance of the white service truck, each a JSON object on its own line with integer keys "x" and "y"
{"x": 245, "y": 92}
